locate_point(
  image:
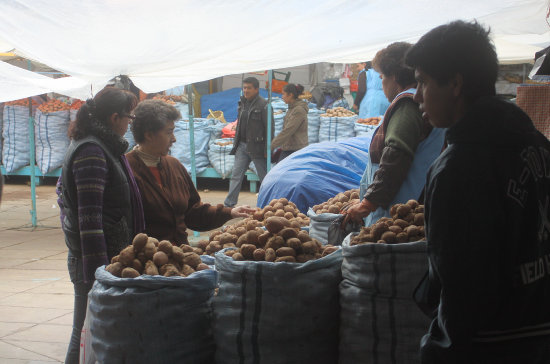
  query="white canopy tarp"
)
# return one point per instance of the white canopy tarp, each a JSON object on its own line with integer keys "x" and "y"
{"x": 167, "y": 43}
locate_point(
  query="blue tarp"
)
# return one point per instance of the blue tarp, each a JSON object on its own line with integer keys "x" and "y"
{"x": 226, "y": 101}
{"x": 316, "y": 173}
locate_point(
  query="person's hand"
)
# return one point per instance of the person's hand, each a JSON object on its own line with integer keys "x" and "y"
{"x": 355, "y": 213}
{"x": 242, "y": 211}
{"x": 355, "y": 107}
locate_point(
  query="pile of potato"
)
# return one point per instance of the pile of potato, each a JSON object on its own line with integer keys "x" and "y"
{"x": 336, "y": 203}
{"x": 169, "y": 99}
{"x": 405, "y": 225}
{"x": 283, "y": 208}
{"x": 338, "y": 112}
{"x": 306, "y": 95}
{"x": 229, "y": 236}
{"x": 375, "y": 120}
{"x": 148, "y": 256}
{"x": 224, "y": 143}
{"x": 53, "y": 105}
{"x": 280, "y": 243}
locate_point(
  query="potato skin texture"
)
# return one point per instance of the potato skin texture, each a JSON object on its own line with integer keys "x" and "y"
{"x": 274, "y": 224}
{"x": 270, "y": 255}
{"x": 115, "y": 269}
{"x": 247, "y": 250}
{"x": 259, "y": 255}
{"x": 129, "y": 273}
{"x": 127, "y": 256}
{"x": 139, "y": 242}
{"x": 288, "y": 259}
{"x": 285, "y": 252}
{"x": 151, "y": 268}
{"x": 160, "y": 258}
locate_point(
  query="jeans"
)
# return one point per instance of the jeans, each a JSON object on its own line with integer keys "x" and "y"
{"x": 81, "y": 290}
{"x": 242, "y": 161}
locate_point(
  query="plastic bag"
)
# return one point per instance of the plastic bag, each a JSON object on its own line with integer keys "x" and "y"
{"x": 87, "y": 355}
{"x": 228, "y": 131}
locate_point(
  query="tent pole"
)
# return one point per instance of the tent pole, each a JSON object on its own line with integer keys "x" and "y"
{"x": 269, "y": 119}
{"x": 32, "y": 161}
{"x": 192, "y": 134}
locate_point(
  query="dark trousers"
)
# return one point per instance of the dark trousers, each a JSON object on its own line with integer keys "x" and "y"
{"x": 81, "y": 290}
{"x": 284, "y": 154}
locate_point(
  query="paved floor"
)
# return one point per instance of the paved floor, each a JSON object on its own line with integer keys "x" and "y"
{"x": 36, "y": 294}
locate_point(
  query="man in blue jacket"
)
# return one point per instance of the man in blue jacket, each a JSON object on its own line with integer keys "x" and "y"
{"x": 487, "y": 208}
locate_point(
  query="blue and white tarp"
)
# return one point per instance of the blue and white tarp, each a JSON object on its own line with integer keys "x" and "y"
{"x": 333, "y": 129}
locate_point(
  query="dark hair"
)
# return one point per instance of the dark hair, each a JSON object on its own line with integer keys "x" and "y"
{"x": 390, "y": 61}
{"x": 295, "y": 90}
{"x": 152, "y": 116}
{"x": 253, "y": 81}
{"x": 458, "y": 48}
{"x": 94, "y": 115}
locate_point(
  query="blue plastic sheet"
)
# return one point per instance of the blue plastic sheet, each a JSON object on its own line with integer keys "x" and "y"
{"x": 226, "y": 101}
{"x": 316, "y": 173}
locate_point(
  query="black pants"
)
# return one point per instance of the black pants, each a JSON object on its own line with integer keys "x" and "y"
{"x": 81, "y": 290}
{"x": 284, "y": 154}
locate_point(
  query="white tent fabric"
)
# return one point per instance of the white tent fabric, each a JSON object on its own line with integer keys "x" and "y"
{"x": 167, "y": 43}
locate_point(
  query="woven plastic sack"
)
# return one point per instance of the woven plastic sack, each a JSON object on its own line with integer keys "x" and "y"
{"x": 181, "y": 149}
{"x": 364, "y": 130}
{"x": 278, "y": 104}
{"x": 152, "y": 319}
{"x": 277, "y": 313}
{"x": 379, "y": 320}
{"x": 218, "y": 155}
{"x": 15, "y": 132}
{"x": 333, "y": 129}
{"x": 340, "y": 103}
{"x": 51, "y": 139}
{"x": 279, "y": 120}
{"x": 216, "y": 126}
{"x": 313, "y": 123}
{"x": 319, "y": 224}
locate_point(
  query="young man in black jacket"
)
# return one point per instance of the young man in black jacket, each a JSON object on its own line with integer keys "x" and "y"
{"x": 487, "y": 208}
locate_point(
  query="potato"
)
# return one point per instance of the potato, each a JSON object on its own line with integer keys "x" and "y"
{"x": 240, "y": 230}
{"x": 378, "y": 229}
{"x": 115, "y": 269}
{"x": 139, "y": 242}
{"x": 403, "y": 210}
{"x": 191, "y": 259}
{"x": 329, "y": 250}
{"x": 419, "y": 209}
{"x": 280, "y": 213}
{"x": 127, "y": 256}
{"x": 198, "y": 251}
{"x": 285, "y": 251}
{"x": 419, "y": 219}
{"x": 177, "y": 253}
{"x": 295, "y": 224}
{"x": 165, "y": 267}
{"x": 213, "y": 236}
{"x": 187, "y": 270}
{"x": 303, "y": 236}
{"x": 278, "y": 206}
{"x": 269, "y": 214}
{"x": 289, "y": 208}
{"x": 288, "y": 233}
{"x": 354, "y": 195}
{"x": 294, "y": 243}
{"x": 160, "y": 258}
{"x": 412, "y": 230}
{"x": 230, "y": 245}
{"x": 402, "y": 237}
{"x": 238, "y": 256}
{"x": 310, "y": 247}
{"x": 142, "y": 258}
{"x": 284, "y": 201}
{"x": 253, "y": 236}
{"x": 129, "y": 273}
{"x": 381, "y": 241}
{"x": 275, "y": 242}
{"x": 202, "y": 266}
{"x": 150, "y": 249}
{"x": 302, "y": 258}
{"x": 389, "y": 237}
{"x": 231, "y": 231}
{"x": 115, "y": 259}
{"x": 172, "y": 273}
{"x": 166, "y": 247}
{"x": 137, "y": 265}
{"x": 201, "y": 244}
{"x": 258, "y": 215}
{"x": 153, "y": 240}
{"x": 401, "y": 223}
{"x": 213, "y": 247}
{"x": 243, "y": 239}
{"x": 413, "y": 204}
{"x": 247, "y": 250}
{"x": 395, "y": 229}
{"x": 259, "y": 254}
{"x": 226, "y": 238}
{"x": 270, "y": 255}
{"x": 368, "y": 238}
{"x": 275, "y": 224}
{"x": 286, "y": 258}
{"x": 288, "y": 215}
{"x": 263, "y": 238}
{"x": 230, "y": 253}
{"x": 150, "y": 268}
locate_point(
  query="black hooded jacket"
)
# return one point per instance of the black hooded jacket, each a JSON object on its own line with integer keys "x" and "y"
{"x": 488, "y": 226}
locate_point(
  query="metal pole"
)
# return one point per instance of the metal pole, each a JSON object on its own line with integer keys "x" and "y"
{"x": 32, "y": 161}
{"x": 269, "y": 120}
{"x": 192, "y": 134}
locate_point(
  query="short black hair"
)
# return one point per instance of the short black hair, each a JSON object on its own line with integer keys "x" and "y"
{"x": 390, "y": 61}
{"x": 461, "y": 48}
{"x": 295, "y": 90}
{"x": 152, "y": 116}
{"x": 253, "y": 81}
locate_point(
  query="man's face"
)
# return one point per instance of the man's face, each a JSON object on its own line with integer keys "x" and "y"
{"x": 438, "y": 103}
{"x": 249, "y": 91}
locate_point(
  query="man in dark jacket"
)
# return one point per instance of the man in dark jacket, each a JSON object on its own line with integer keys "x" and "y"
{"x": 487, "y": 208}
{"x": 250, "y": 138}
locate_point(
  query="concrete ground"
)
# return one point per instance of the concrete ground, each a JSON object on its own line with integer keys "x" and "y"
{"x": 36, "y": 294}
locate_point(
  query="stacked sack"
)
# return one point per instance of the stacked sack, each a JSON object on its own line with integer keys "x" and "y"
{"x": 15, "y": 131}
{"x": 278, "y": 298}
{"x": 181, "y": 148}
{"x": 313, "y": 123}
{"x": 383, "y": 264}
{"x": 51, "y": 124}
{"x": 337, "y": 124}
{"x": 219, "y": 157}
{"x": 1, "y": 122}
{"x": 136, "y": 315}
{"x": 367, "y": 127}
{"x": 279, "y": 111}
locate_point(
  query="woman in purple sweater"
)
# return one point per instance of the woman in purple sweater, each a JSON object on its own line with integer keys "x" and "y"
{"x": 100, "y": 206}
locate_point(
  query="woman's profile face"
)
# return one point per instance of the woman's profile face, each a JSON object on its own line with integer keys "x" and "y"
{"x": 120, "y": 122}
{"x": 390, "y": 86}
{"x": 287, "y": 97}
{"x": 161, "y": 141}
